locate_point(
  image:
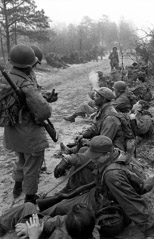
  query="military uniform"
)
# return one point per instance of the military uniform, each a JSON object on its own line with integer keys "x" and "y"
{"x": 125, "y": 186}
{"x": 54, "y": 227}
{"x": 122, "y": 103}
{"x": 27, "y": 138}
{"x": 109, "y": 126}
{"x": 114, "y": 60}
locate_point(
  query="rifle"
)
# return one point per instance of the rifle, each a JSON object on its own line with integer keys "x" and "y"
{"x": 47, "y": 202}
{"x": 47, "y": 123}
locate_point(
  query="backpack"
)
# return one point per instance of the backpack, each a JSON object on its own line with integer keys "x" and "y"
{"x": 110, "y": 220}
{"x": 125, "y": 124}
{"x": 9, "y": 106}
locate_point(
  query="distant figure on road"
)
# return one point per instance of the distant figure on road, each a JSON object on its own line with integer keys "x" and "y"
{"x": 114, "y": 59}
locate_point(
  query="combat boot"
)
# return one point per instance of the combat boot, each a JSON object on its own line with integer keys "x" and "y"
{"x": 64, "y": 149}
{"x": 71, "y": 118}
{"x": 3, "y": 231}
{"x": 17, "y": 190}
{"x": 31, "y": 198}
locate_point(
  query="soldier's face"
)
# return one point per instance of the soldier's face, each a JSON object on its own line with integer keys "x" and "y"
{"x": 98, "y": 99}
{"x": 101, "y": 159}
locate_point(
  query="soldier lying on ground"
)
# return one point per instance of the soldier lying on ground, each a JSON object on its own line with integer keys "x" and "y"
{"x": 27, "y": 221}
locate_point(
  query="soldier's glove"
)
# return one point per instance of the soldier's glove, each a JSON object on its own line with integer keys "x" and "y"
{"x": 60, "y": 169}
{"x": 51, "y": 96}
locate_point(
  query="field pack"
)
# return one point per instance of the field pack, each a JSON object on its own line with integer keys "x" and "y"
{"x": 125, "y": 124}
{"x": 9, "y": 106}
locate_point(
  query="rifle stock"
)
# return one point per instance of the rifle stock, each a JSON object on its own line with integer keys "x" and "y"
{"x": 48, "y": 202}
{"x": 46, "y": 124}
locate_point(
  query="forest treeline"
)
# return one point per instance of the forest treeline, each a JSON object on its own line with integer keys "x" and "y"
{"x": 20, "y": 21}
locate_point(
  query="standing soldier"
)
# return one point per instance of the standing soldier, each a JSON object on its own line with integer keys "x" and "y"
{"x": 27, "y": 136}
{"x": 114, "y": 59}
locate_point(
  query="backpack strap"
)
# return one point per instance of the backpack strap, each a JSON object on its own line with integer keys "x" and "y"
{"x": 25, "y": 77}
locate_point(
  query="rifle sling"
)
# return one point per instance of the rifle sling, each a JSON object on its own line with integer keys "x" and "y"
{"x": 69, "y": 176}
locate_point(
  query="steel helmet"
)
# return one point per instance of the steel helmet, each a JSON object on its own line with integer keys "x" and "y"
{"x": 106, "y": 93}
{"x": 120, "y": 86}
{"x": 22, "y": 56}
{"x": 38, "y": 53}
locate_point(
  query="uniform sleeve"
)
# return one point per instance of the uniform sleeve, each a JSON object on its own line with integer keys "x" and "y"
{"x": 36, "y": 103}
{"x": 91, "y": 132}
{"x": 76, "y": 159}
{"x": 110, "y": 127}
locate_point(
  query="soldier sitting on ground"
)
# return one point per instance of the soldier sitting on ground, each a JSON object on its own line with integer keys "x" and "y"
{"x": 86, "y": 109}
{"x": 107, "y": 122}
{"x": 143, "y": 119}
{"x": 118, "y": 178}
{"x": 141, "y": 88}
{"x": 124, "y": 99}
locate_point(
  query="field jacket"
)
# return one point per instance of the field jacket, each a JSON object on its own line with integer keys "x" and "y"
{"x": 28, "y": 135}
{"x": 109, "y": 126}
{"x": 122, "y": 103}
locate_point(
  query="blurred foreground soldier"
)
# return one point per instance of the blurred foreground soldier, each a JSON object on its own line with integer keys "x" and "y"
{"x": 124, "y": 99}
{"x": 106, "y": 122}
{"x": 27, "y": 222}
{"x": 114, "y": 59}
{"x": 27, "y": 137}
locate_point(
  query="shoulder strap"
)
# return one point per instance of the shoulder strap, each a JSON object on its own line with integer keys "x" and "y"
{"x": 74, "y": 172}
{"x": 26, "y": 79}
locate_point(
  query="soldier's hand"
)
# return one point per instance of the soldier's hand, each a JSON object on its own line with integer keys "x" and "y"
{"x": 60, "y": 169}
{"x": 79, "y": 138}
{"x": 53, "y": 96}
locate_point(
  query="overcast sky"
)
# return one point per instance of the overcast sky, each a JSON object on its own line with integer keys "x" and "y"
{"x": 140, "y": 12}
